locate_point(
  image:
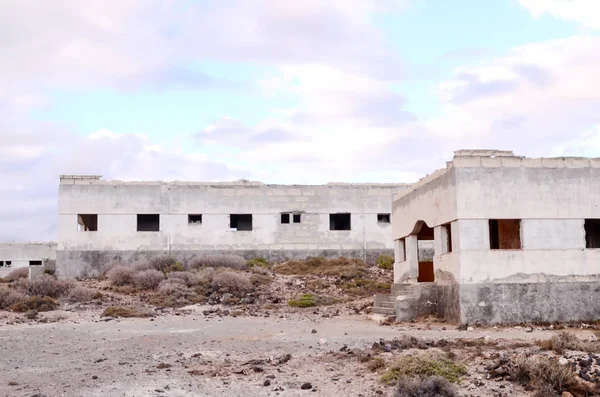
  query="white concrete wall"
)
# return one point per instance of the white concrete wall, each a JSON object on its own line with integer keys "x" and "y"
{"x": 118, "y": 203}
{"x": 19, "y": 254}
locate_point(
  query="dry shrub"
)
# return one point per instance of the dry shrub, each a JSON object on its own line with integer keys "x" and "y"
{"x": 376, "y": 364}
{"x": 147, "y": 279}
{"x": 258, "y": 262}
{"x": 544, "y": 373}
{"x": 82, "y": 295}
{"x": 38, "y": 303}
{"x": 117, "y": 311}
{"x": 566, "y": 341}
{"x": 232, "y": 282}
{"x": 9, "y": 297}
{"x": 44, "y": 285}
{"x": 425, "y": 365}
{"x": 306, "y": 300}
{"x": 22, "y": 272}
{"x": 433, "y": 386}
{"x": 229, "y": 261}
{"x": 258, "y": 279}
{"x": 263, "y": 271}
{"x": 173, "y": 292}
{"x": 362, "y": 287}
{"x": 344, "y": 268}
{"x": 188, "y": 278}
{"x": 206, "y": 275}
{"x": 120, "y": 275}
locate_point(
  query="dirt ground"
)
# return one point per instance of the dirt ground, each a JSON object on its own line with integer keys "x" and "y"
{"x": 190, "y": 352}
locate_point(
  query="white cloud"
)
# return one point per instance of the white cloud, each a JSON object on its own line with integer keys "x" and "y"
{"x": 584, "y": 12}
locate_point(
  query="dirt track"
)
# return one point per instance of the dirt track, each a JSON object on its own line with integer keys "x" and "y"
{"x": 194, "y": 355}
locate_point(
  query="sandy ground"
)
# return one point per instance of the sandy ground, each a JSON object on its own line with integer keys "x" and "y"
{"x": 197, "y": 355}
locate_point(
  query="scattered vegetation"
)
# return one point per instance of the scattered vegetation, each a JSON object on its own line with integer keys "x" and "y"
{"x": 425, "y": 365}
{"x": 21, "y": 272}
{"x": 228, "y": 261}
{"x": 117, "y": 311}
{"x": 433, "y": 386}
{"x": 567, "y": 341}
{"x": 344, "y": 268}
{"x": 38, "y": 303}
{"x": 44, "y": 285}
{"x": 361, "y": 287}
{"x": 385, "y": 262}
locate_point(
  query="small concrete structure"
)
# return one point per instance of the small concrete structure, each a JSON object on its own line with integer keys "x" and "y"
{"x": 33, "y": 255}
{"x": 102, "y": 221}
{"x": 515, "y": 240}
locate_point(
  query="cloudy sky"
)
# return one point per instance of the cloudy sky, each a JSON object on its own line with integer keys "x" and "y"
{"x": 283, "y": 91}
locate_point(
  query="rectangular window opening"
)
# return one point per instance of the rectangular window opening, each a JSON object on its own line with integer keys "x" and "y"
{"x": 296, "y": 218}
{"x": 1, "y": 263}
{"x": 447, "y": 238}
{"x": 195, "y": 219}
{"x": 35, "y": 263}
{"x": 592, "y": 233}
{"x": 505, "y": 234}
{"x": 340, "y": 221}
{"x": 240, "y": 222}
{"x": 285, "y": 218}
{"x": 383, "y": 218}
{"x": 8, "y": 263}
{"x": 148, "y": 222}
{"x": 87, "y": 222}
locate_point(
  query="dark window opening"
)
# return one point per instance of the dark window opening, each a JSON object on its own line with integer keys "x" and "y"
{"x": 87, "y": 222}
{"x": 384, "y": 218}
{"x": 194, "y": 219}
{"x": 285, "y": 218}
{"x": 35, "y": 263}
{"x": 592, "y": 233}
{"x": 339, "y": 221}
{"x": 241, "y": 222}
{"x": 1, "y": 263}
{"x": 296, "y": 218}
{"x": 8, "y": 263}
{"x": 447, "y": 228}
{"x": 148, "y": 223}
{"x": 505, "y": 234}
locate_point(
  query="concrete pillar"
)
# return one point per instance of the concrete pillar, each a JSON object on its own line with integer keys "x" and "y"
{"x": 412, "y": 255}
{"x": 399, "y": 250}
{"x": 438, "y": 241}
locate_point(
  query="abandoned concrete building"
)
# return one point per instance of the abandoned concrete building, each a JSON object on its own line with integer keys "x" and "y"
{"x": 515, "y": 240}
{"x": 102, "y": 221}
{"x": 16, "y": 255}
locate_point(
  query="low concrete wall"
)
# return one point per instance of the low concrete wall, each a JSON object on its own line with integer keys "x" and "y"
{"x": 83, "y": 264}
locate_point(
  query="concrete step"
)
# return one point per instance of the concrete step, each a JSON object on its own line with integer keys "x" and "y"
{"x": 387, "y": 304}
{"x": 402, "y": 289}
{"x": 384, "y": 310}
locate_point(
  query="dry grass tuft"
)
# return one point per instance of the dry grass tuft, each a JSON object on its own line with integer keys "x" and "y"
{"x": 117, "y": 311}
{"x": 306, "y": 300}
{"x": 376, "y": 364}
{"x": 434, "y": 386}
{"x": 188, "y": 278}
{"x": 22, "y": 272}
{"x": 37, "y": 303}
{"x": 82, "y": 295}
{"x": 147, "y": 279}
{"x": 425, "y": 365}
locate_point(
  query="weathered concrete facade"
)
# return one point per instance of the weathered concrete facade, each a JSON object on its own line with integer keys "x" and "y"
{"x": 16, "y": 255}
{"x": 100, "y": 221}
{"x": 516, "y": 239}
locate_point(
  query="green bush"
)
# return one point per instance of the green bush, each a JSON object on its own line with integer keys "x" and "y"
{"x": 306, "y": 300}
{"x": 385, "y": 262}
{"x": 260, "y": 262}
